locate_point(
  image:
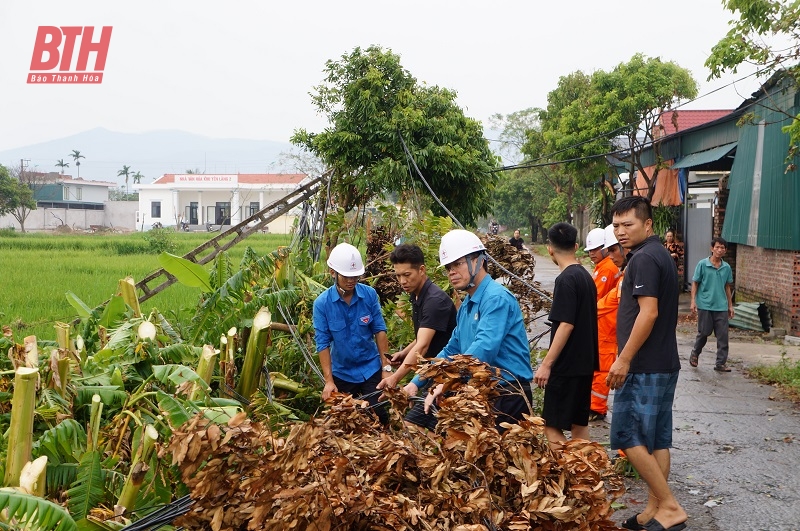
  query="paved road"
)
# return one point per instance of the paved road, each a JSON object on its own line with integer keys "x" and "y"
{"x": 736, "y": 455}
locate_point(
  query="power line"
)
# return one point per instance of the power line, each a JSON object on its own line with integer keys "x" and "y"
{"x": 531, "y": 164}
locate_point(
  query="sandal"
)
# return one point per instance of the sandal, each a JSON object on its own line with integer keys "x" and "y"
{"x": 693, "y": 359}
{"x": 632, "y": 523}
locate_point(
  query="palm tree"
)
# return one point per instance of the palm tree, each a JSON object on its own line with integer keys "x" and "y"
{"x": 61, "y": 164}
{"x": 76, "y": 156}
{"x": 126, "y": 172}
{"x": 137, "y": 177}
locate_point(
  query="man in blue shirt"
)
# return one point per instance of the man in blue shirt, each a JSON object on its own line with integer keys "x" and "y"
{"x": 350, "y": 332}
{"x": 489, "y": 326}
{"x": 711, "y": 299}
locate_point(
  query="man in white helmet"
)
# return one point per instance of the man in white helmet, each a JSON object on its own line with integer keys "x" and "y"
{"x": 607, "y": 328}
{"x": 604, "y": 268}
{"x": 350, "y": 332}
{"x": 489, "y": 326}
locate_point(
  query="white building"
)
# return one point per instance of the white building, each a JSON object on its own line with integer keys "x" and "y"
{"x": 216, "y": 199}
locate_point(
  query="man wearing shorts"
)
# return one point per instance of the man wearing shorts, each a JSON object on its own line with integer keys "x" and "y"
{"x": 646, "y": 372}
{"x": 566, "y": 371}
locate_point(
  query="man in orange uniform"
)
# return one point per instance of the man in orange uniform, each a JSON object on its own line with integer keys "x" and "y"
{"x": 604, "y": 268}
{"x": 607, "y": 326}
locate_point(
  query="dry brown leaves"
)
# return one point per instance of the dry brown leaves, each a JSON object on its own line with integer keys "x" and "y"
{"x": 344, "y": 471}
{"x": 522, "y": 263}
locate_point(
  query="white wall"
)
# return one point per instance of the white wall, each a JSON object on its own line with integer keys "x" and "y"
{"x": 117, "y": 214}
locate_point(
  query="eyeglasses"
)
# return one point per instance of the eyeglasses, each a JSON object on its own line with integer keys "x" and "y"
{"x": 452, "y": 265}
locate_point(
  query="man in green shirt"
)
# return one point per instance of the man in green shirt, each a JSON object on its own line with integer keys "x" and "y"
{"x": 711, "y": 299}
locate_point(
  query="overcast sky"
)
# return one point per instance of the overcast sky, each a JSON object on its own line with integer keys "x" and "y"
{"x": 244, "y": 69}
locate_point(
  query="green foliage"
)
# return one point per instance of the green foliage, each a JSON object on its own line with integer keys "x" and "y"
{"x": 188, "y": 273}
{"x": 33, "y": 513}
{"x": 749, "y": 41}
{"x": 588, "y": 116}
{"x": 786, "y": 373}
{"x": 14, "y": 195}
{"x": 87, "y": 491}
{"x": 664, "y": 218}
{"x": 371, "y": 101}
{"x": 161, "y": 240}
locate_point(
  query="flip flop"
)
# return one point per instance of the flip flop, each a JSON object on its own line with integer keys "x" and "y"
{"x": 693, "y": 360}
{"x": 632, "y": 523}
{"x": 655, "y": 525}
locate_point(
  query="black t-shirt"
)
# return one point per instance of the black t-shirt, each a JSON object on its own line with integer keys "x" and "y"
{"x": 650, "y": 273}
{"x": 435, "y": 310}
{"x": 516, "y": 242}
{"x": 575, "y": 302}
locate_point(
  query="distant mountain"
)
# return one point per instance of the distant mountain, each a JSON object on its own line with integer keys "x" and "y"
{"x": 153, "y": 154}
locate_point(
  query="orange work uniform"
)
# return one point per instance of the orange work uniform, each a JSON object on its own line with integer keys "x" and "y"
{"x": 607, "y": 340}
{"x": 604, "y": 274}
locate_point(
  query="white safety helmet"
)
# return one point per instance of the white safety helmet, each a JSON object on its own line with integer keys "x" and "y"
{"x": 458, "y": 243}
{"x": 611, "y": 239}
{"x": 595, "y": 239}
{"x": 346, "y": 260}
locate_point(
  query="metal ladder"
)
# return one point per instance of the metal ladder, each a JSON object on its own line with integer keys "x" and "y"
{"x": 244, "y": 229}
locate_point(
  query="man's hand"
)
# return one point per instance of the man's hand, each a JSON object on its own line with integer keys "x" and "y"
{"x": 388, "y": 382}
{"x": 397, "y": 359}
{"x": 430, "y": 398}
{"x": 542, "y": 375}
{"x": 411, "y": 389}
{"x": 329, "y": 388}
{"x": 693, "y": 307}
{"x": 617, "y": 373}
{"x": 730, "y": 312}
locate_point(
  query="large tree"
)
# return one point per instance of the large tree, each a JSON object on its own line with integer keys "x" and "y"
{"x": 752, "y": 40}
{"x": 16, "y": 197}
{"x": 591, "y": 117}
{"x": 373, "y": 105}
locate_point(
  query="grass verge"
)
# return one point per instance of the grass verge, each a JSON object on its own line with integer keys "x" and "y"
{"x": 786, "y": 375}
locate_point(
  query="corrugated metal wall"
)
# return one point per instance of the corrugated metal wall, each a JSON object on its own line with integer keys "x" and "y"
{"x": 759, "y": 172}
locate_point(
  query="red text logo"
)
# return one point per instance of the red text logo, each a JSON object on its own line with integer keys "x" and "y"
{"x": 53, "y": 52}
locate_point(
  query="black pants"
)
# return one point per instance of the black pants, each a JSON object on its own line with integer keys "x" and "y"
{"x": 367, "y": 387}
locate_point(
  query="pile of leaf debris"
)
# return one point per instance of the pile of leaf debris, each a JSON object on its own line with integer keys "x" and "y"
{"x": 344, "y": 471}
{"x": 521, "y": 263}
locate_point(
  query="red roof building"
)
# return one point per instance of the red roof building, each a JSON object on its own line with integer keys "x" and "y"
{"x": 671, "y": 122}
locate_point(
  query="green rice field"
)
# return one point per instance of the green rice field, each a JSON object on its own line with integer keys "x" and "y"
{"x": 36, "y": 270}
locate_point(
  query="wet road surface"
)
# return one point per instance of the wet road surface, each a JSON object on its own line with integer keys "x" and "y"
{"x": 736, "y": 445}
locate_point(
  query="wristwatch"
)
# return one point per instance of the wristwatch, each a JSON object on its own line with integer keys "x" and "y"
{"x": 388, "y": 368}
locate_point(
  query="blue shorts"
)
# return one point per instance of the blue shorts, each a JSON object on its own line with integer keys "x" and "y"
{"x": 642, "y": 414}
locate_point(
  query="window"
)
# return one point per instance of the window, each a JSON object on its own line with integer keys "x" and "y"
{"x": 254, "y": 208}
{"x": 155, "y": 209}
{"x": 78, "y": 193}
{"x": 66, "y": 193}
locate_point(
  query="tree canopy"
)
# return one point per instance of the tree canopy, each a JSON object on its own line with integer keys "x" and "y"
{"x": 589, "y": 117}
{"x": 766, "y": 34}
{"x": 371, "y": 102}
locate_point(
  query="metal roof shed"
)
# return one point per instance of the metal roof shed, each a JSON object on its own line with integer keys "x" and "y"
{"x": 762, "y": 209}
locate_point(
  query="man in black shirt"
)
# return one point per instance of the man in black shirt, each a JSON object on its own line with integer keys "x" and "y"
{"x": 567, "y": 370}
{"x": 432, "y": 312}
{"x": 516, "y": 240}
{"x": 645, "y": 373}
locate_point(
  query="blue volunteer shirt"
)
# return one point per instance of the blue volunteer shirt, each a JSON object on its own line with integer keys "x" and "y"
{"x": 489, "y": 326}
{"x": 349, "y": 331}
